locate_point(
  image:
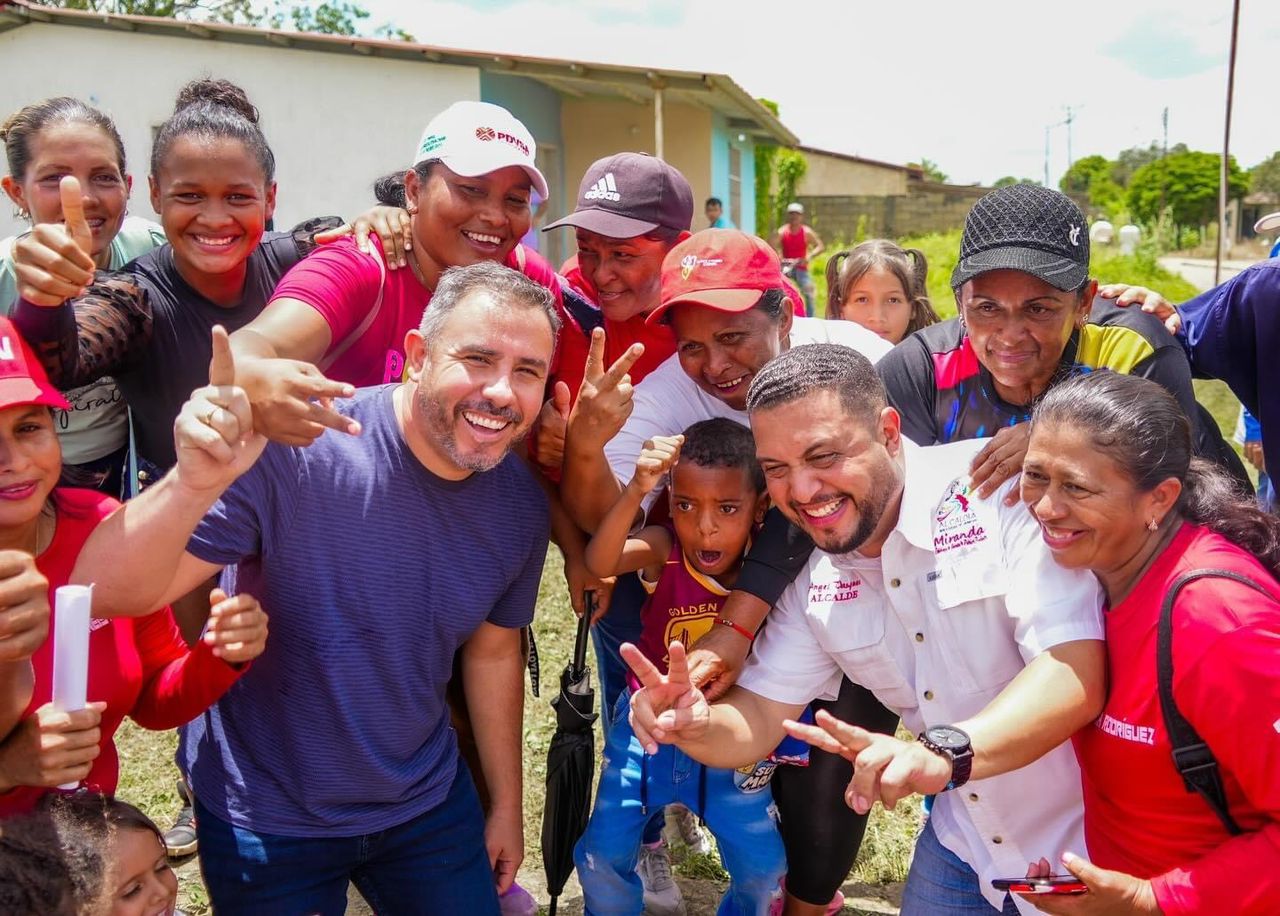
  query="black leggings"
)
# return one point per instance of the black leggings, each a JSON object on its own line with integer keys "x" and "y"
{"x": 821, "y": 833}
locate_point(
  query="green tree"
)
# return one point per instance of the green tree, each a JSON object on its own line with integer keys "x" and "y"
{"x": 1010, "y": 180}
{"x": 931, "y": 170}
{"x": 766, "y": 201}
{"x": 790, "y": 167}
{"x": 1134, "y": 158}
{"x": 1185, "y": 182}
{"x": 1265, "y": 176}
{"x": 1092, "y": 177}
{"x": 1083, "y": 173}
{"x": 778, "y": 174}
{"x": 330, "y": 18}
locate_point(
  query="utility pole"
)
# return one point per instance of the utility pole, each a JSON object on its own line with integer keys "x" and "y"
{"x": 1226, "y": 145}
{"x": 1047, "y": 129}
{"x": 1164, "y": 175}
{"x": 1070, "y": 117}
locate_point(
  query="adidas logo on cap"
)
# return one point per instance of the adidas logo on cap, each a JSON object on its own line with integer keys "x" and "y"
{"x": 604, "y": 189}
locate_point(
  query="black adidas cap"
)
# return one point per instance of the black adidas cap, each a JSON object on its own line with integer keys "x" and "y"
{"x": 1025, "y": 227}
{"x": 630, "y": 194}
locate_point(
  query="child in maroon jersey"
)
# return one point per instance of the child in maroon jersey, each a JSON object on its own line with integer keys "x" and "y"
{"x": 688, "y": 566}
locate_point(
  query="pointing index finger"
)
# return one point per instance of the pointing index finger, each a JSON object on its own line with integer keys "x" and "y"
{"x": 222, "y": 367}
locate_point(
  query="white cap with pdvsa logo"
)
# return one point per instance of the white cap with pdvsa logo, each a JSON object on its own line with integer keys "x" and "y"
{"x": 476, "y": 138}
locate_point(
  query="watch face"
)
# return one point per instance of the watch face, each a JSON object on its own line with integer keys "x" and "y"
{"x": 945, "y": 736}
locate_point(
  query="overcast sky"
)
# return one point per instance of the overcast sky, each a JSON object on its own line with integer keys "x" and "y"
{"x": 971, "y": 86}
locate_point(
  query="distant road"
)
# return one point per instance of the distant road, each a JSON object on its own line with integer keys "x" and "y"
{"x": 1199, "y": 271}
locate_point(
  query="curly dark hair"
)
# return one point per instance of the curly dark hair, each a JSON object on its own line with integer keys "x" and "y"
{"x": 722, "y": 443}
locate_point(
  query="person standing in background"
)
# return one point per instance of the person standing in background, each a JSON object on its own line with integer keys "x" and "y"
{"x": 798, "y": 244}
{"x": 715, "y": 215}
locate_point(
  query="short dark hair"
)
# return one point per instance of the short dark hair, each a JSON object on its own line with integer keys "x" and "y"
{"x": 510, "y": 287}
{"x": 722, "y": 443}
{"x": 713, "y": 200}
{"x": 803, "y": 370}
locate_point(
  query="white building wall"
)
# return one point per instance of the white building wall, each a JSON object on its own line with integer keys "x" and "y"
{"x": 335, "y": 121}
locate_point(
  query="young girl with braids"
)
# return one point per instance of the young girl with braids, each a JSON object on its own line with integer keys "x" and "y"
{"x": 881, "y": 286}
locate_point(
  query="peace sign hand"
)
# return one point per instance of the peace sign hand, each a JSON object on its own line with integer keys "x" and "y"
{"x": 667, "y": 709}
{"x": 214, "y": 436}
{"x": 54, "y": 262}
{"x": 604, "y": 400}
{"x": 885, "y": 769}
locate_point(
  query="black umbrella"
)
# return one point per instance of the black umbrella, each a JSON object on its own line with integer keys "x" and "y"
{"x": 570, "y": 762}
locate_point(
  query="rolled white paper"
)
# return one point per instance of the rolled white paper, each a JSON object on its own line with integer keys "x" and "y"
{"x": 71, "y": 608}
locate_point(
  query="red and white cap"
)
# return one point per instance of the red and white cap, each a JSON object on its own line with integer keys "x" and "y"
{"x": 22, "y": 378}
{"x": 723, "y": 269}
{"x": 476, "y": 138}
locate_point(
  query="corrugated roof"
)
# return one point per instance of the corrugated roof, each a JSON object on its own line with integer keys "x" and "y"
{"x": 569, "y": 77}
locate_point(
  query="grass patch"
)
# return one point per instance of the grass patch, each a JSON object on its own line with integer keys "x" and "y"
{"x": 148, "y": 773}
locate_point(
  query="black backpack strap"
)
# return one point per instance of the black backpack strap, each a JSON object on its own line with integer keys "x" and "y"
{"x": 1192, "y": 757}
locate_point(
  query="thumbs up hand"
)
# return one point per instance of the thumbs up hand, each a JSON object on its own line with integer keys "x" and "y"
{"x": 54, "y": 262}
{"x": 551, "y": 425}
{"x": 213, "y": 435}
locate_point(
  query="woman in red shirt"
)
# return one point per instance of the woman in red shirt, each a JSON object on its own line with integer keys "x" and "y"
{"x": 138, "y": 667}
{"x": 1111, "y": 478}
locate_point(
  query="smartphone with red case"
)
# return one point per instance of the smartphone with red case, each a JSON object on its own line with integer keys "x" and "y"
{"x": 1050, "y": 884}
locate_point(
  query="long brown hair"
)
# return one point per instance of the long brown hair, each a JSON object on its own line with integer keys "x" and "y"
{"x": 1138, "y": 425}
{"x": 908, "y": 265}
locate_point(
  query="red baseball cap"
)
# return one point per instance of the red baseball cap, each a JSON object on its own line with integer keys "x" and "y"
{"x": 22, "y": 378}
{"x": 722, "y": 269}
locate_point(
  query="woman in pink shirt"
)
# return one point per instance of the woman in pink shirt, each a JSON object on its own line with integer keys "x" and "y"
{"x": 1110, "y": 475}
{"x": 343, "y": 315}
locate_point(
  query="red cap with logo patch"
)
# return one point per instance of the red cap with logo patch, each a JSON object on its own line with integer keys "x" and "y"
{"x": 722, "y": 269}
{"x": 22, "y": 378}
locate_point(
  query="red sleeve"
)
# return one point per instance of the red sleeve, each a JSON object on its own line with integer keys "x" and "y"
{"x": 339, "y": 281}
{"x": 1232, "y": 697}
{"x": 177, "y": 683}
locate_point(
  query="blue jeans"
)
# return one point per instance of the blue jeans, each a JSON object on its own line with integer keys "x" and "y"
{"x": 433, "y": 864}
{"x": 621, "y": 624}
{"x": 742, "y": 819}
{"x": 807, "y": 290}
{"x": 940, "y": 883}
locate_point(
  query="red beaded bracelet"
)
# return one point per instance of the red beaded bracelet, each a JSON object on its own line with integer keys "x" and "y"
{"x": 737, "y": 628}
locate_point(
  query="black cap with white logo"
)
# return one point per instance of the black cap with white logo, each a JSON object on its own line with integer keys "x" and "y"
{"x": 630, "y": 194}
{"x": 1025, "y": 227}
